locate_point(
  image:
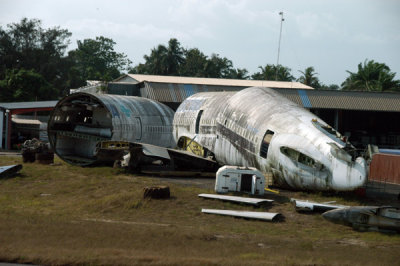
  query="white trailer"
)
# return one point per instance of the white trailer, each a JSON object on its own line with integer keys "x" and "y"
{"x": 239, "y": 179}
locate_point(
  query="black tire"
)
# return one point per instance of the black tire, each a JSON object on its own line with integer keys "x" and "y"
{"x": 45, "y": 158}
{"x": 159, "y": 192}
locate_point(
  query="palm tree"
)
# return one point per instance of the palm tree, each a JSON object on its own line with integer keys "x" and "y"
{"x": 174, "y": 57}
{"x": 164, "y": 60}
{"x": 309, "y": 78}
{"x": 273, "y": 72}
{"x": 371, "y": 76}
{"x": 157, "y": 61}
{"x": 194, "y": 64}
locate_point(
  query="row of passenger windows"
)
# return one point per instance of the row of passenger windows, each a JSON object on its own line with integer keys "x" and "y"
{"x": 159, "y": 129}
{"x": 244, "y": 132}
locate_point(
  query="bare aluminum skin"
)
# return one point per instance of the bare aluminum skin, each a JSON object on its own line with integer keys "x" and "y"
{"x": 367, "y": 218}
{"x": 80, "y": 120}
{"x": 236, "y": 199}
{"x": 9, "y": 170}
{"x": 310, "y": 206}
{"x": 232, "y": 126}
{"x": 265, "y": 216}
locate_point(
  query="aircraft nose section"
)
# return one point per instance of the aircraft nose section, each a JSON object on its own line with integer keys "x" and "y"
{"x": 359, "y": 172}
{"x": 335, "y": 216}
{"x": 349, "y": 175}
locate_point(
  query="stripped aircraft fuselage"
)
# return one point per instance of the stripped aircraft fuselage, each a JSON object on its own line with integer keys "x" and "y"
{"x": 258, "y": 127}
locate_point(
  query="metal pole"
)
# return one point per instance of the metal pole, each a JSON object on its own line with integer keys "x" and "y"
{"x": 6, "y": 146}
{"x": 1, "y": 129}
{"x": 279, "y": 46}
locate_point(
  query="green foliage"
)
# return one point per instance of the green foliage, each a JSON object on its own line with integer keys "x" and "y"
{"x": 174, "y": 60}
{"x": 194, "y": 64}
{"x": 273, "y": 72}
{"x": 33, "y": 65}
{"x": 21, "y": 85}
{"x": 217, "y": 67}
{"x": 26, "y": 45}
{"x": 97, "y": 60}
{"x": 162, "y": 60}
{"x": 309, "y": 78}
{"x": 239, "y": 73}
{"x": 371, "y": 76}
{"x": 329, "y": 87}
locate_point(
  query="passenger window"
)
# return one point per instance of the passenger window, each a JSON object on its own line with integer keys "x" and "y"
{"x": 265, "y": 143}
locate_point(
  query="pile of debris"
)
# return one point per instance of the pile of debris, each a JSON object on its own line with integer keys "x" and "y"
{"x": 36, "y": 150}
{"x": 384, "y": 219}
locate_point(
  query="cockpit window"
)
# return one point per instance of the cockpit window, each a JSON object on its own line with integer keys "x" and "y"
{"x": 329, "y": 131}
{"x": 300, "y": 157}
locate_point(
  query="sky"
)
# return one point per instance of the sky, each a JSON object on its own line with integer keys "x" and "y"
{"x": 331, "y": 36}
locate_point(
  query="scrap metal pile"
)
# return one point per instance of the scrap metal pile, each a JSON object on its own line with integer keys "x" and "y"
{"x": 36, "y": 150}
{"x": 362, "y": 218}
{"x": 256, "y": 130}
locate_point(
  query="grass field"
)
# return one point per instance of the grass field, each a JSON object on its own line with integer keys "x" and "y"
{"x": 62, "y": 215}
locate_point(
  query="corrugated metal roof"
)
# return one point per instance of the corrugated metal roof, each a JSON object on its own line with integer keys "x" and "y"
{"x": 214, "y": 81}
{"x": 321, "y": 99}
{"x": 355, "y": 100}
{"x": 174, "y": 92}
{"x": 28, "y": 105}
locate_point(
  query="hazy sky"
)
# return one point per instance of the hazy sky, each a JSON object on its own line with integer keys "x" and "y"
{"x": 331, "y": 36}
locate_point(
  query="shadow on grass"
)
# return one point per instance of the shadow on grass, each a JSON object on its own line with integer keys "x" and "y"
{"x": 12, "y": 176}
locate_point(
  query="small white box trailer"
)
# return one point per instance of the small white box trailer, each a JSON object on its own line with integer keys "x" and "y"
{"x": 239, "y": 179}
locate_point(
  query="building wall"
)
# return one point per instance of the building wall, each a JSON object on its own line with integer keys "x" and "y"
{"x": 1, "y": 128}
{"x": 364, "y": 127}
{"x": 385, "y": 168}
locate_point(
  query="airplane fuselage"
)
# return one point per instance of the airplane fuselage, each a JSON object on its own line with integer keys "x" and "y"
{"x": 258, "y": 127}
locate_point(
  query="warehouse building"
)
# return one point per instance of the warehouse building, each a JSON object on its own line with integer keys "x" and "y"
{"x": 23, "y": 120}
{"x": 364, "y": 117}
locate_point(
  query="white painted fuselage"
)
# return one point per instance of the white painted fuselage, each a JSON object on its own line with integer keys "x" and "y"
{"x": 260, "y": 128}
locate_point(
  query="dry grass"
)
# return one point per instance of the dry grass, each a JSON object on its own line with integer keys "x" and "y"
{"x": 58, "y": 215}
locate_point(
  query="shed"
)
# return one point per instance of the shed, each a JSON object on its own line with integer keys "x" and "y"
{"x": 7, "y": 110}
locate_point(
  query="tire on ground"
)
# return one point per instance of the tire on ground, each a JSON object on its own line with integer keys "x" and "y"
{"x": 157, "y": 192}
{"x": 28, "y": 157}
{"x": 45, "y": 157}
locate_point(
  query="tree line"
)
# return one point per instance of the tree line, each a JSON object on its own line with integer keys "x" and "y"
{"x": 34, "y": 65}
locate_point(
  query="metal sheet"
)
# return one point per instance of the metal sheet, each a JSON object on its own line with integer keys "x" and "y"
{"x": 367, "y": 218}
{"x": 28, "y": 105}
{"x": 152, "y": 150}
{"x": 9, "y": 170}
{"x": 305, "y": 205}
{"x": 385, "y": 168}
{"x": 265, "y": 216}
{"x": 160, "y": 89}
{"x": 212, "y": 81}
{"x": 354, "y": 100}
{"x": 251, "y": 201}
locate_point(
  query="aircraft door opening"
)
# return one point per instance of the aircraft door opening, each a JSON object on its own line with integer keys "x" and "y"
{"x": 246, "y": 182}
{"x": 265, "y": 143}
{"x": 198, "y": 121}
